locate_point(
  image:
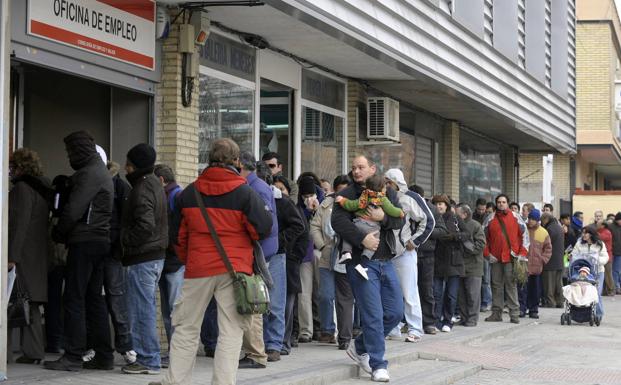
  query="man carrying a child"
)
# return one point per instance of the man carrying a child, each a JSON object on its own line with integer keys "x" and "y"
{"x": 378, "y": 295}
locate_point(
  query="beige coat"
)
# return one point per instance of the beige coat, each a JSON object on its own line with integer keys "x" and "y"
{"x": 318, "y": 226}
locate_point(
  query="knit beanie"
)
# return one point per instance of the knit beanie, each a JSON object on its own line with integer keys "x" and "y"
{"x": 307, "y": 186}
{"x": 142, "y": 156}
{"x": 535, "y": 214}
{"x": 80, "y": 147}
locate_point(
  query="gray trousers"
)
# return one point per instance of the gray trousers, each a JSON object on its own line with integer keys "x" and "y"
{"x": 503, "y": 286}
{"x": 553, "y": 287}
{"x": 366, "y": 227}
{"x": 470, "y": 298}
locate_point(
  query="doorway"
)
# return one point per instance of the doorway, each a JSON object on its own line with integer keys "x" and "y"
{"x": 276, "y": 123}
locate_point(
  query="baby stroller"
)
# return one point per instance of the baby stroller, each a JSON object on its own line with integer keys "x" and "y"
{"x": 581, "y": 296}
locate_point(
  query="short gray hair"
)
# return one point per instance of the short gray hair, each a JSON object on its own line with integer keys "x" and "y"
{"x": 247, "y": 160}
{"x": 466, "y": 209}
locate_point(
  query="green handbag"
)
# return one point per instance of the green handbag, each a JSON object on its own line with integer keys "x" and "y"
{"x": 251, "y": 293}
{"x": 520, "y": 265}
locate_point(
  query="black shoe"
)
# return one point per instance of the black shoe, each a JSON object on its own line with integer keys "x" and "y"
{"x": 495, "y": 317}
{"x": 515, "y": 320}
{"x": 431, "y": 330}
{"x": 63, "y": 363}
{"x": 210, "y": 352}
{"x": 284, "y": 352}
{"x": 522, "y": 314}
{"x": 165, "y": 362}
{"x": 96, "y": 364}
{"x": 533, "y": 315}
{"x": 28, "y": 360}
{"x": 53, "y": 350}
{"x": 559, "y": 306}
{"x": 343, "y": 345}
{"x": 247, "y": 363}
{"x": 469, "y": 324}
{"x": 272, "y": 355}
{"x": 304, "y": 340}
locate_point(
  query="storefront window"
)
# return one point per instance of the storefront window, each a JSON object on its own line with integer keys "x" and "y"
{"x": 226, "y": 110}
{"x": 480, "y": 175}
{"x": 322, "y": 143}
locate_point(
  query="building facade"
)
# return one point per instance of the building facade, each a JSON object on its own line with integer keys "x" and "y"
{"x": 465, "y": 96}
{"x": 598, "y": 107}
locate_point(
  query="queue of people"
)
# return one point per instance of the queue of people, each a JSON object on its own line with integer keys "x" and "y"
{"x": 349, "y": 263}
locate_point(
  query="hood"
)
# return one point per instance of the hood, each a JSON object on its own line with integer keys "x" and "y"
{"x": 81, "y": 149}
{"x": 219, "y": 181}
{"x": 396, "y": 175}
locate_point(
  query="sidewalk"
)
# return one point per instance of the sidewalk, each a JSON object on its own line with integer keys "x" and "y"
{"x": 316, "y": 363}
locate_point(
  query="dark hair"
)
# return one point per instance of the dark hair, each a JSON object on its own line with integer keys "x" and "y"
{"x": 271, "y": 155}
{"x": 501, "y": 196}
{"x": 453, "y": 203}
{"x": 339, "y": 180}
{"x": 264, "y": 173}
{"x": 480, "y": 202}
{"x": 375, "y": 183}
{"x": 610, "y": 215}
{"x": 594, "y": 235}
{"x": 577, "y": 213}
{"x": 165, "y": 172}
{"x": 248, "y": 161}
{"x": 565, "y": 216}
{"x": 490, "y": 205}
{"x": 417, "y": 189}
{"x": 27, "y": 161}
{"x": 311, "y": 174}
{"x": 283, "y": 180}
{"x": 549, "y": 205}
{"x": 514, "y": 204}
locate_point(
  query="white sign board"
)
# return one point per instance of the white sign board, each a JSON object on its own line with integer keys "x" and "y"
{"x": 123, "y": 30}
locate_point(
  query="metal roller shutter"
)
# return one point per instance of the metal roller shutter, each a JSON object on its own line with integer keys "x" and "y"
{"x": 424, "y": 164}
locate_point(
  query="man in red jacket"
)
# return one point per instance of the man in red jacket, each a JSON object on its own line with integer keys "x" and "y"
{"x": 239, "y": 216}
{"x": 507, "y": 238}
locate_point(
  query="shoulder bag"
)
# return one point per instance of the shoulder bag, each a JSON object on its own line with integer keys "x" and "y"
{"x": 18, "y": 310}
{"x": 520, "y": 266}
{"x": 251, "y": 293}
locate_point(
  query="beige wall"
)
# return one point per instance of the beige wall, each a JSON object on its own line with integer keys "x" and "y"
{"x": 531, "y": 177}
{"x": 589, "y": 203}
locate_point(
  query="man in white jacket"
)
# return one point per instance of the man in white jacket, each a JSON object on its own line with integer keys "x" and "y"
{"x": 419, "y": 225}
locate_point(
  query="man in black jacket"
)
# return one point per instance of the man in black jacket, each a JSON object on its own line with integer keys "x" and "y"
{"x": 379, "y": 298}
{"x": 144, "y": 238}
{"x": 426, "y": 261}
{"x": 553, "y": 270}
{"x": 84, "y": 226}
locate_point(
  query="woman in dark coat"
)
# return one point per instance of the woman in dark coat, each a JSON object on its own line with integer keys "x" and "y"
{"x": 449, "y": 264}
{"x": 28, "y": 242}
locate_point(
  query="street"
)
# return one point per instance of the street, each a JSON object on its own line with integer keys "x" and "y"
{"x": 538, "y": 352}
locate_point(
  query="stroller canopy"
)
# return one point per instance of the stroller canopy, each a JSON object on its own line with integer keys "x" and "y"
{"x": 576, "y": 265}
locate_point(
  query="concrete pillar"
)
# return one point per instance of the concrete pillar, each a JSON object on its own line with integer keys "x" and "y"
{"x": 5, "y": 45}
{"x": 176, "y": 133}
{"x": 509, "y": 173}
{"x": 356, "y": 94}
{"x": 450, "y": 164}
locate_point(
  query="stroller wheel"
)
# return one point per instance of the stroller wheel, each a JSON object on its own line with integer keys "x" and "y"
{"x": 568, "y": 319}
{"x": 591, "y": 322}
{"x": 562, "y": 319}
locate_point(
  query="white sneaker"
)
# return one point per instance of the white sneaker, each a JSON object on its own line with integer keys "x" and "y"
{"x": 362, "y": 271}
{"x": 361, "y": 359}
{"x": 446, "y": 329}
{"x": 89, "y": 355}
{"x": 344, "y": 257}
{"x": 130, "y": 356}
{"x": 380, "y": 375}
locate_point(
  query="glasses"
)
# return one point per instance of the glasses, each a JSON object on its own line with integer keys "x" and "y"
{"x": 272, "y": 165}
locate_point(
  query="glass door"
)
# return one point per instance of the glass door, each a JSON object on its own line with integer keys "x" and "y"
{"x": 276, "y": 123}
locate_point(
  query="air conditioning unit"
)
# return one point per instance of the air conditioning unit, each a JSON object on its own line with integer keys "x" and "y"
{"x": 382, "y": 119}
{"x": 312, "y": 124}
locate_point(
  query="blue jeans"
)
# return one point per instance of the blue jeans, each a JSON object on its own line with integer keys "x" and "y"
{"x": 406, "y": 266}
{"x": 528, "y": 294}
{"x": 327, "y": 296}
{"x": 616, "y": 271}
{"x": 599, "y": 311}
{"x": 380, "y": 303}
{"x": 274, "y": 322}
{"x": 170, "y": 288}
{"x": 209, "y": 328}
{"x": 142, "y": 282}
{"x": 486, "y": 288}
{"x": 445, "y": 291}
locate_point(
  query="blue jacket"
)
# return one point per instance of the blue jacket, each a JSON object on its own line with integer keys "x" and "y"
{"x": 269, "y": 244}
